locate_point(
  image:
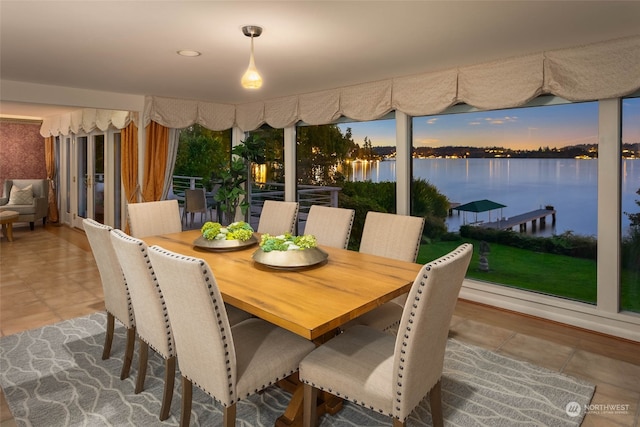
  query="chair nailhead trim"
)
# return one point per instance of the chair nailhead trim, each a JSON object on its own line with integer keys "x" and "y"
{"x": 345, "y": 397}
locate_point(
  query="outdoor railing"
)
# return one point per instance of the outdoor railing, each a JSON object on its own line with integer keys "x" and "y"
{"x": 181, "y": 183}
{"x": 308, "y": 195}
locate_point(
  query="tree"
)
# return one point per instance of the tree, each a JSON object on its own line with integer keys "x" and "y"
{"x": 635, "y": 217}
{"x": 368, "y": 149}
{"x": 322, "y": 150}
{"x": 234, "y": 191}
{"x": 273, "y": 140}
{"x": 631, "y": 244}
{"x": 201, "y": 151}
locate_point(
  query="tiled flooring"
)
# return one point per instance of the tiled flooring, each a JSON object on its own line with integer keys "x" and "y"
{"x": 49, "y": 275}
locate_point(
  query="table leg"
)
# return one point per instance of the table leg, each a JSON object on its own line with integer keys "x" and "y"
{"x": 292, "y": 417}
{"x": 7, "y": 230}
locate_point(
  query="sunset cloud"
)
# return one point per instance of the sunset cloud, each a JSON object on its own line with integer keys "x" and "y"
{"x": 426, "y": 141}
{"x": 495, "y": 120}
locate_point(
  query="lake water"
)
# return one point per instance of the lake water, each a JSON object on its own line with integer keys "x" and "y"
{"x": 523, "y": 185}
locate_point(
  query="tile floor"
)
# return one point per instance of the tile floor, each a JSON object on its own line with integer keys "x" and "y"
{"x": 48, "y": 275}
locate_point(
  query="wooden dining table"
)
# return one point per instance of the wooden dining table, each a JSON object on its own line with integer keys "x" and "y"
{"x": 312, "y": 302}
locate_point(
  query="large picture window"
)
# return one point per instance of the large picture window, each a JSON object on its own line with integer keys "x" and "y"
{"x": 522, "y": 186}
{"x": 630, "y": 192}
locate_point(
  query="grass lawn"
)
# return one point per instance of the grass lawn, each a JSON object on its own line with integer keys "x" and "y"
{"x": 557, "y": 275}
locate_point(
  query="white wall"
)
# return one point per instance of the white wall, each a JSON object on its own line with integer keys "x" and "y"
{"x": 13, "y": 91}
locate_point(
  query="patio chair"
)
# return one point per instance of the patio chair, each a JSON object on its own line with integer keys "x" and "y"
{"x": 195, "y": 201}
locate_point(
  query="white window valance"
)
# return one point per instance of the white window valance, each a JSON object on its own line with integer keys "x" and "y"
{"x": 180, "y": 113}
{"x": 586, "y": 73}
{"x": 86, "y": 120}
{"x": 601, "y": 71}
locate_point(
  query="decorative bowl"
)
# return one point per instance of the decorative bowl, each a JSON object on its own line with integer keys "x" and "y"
{"x": 224, "y": 245}
{"x": 293, "y": 259}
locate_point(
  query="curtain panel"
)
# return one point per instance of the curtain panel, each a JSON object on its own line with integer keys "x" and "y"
{"x": 129, "y": 167}
{"x": 155, "y": 161}
{"x": 129, "y": 162}
{"x": 50, "y": 164}
{"x": 86, "y": 120}
{"x": 585, "y": 73}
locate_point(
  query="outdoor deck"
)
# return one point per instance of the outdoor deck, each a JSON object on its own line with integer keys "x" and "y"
{"x": 522, "y": 220}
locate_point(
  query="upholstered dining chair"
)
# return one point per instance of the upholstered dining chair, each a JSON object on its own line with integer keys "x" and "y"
{"x": 153, "y": 324}
{"x": 153, "y": 218}
{"x": 228, "y": 363}
{"x": 278, "y": 217}
{"x": 116, "y": 292}
{"x": 195, "y": 201}
{"x": 386, "y": 373}
{"x": 152, "y": 321}
{"x": 391, "y": 236}
{"x": 330, "y": 226}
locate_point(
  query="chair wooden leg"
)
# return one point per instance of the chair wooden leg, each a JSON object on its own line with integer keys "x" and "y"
{"x": 108, "y": 338}
{"x": 310, "y": 406}
{"x": 169, "y": 376}
{"x": 128, "y": 353}
{"x": 187, "y": 390}
{"x": 435, "y": 400}
{"x": 230, "y": 416}
{"x": 142, "y": 365}
{"x": 32, "y": 225}
{"x": 398, "y": 423}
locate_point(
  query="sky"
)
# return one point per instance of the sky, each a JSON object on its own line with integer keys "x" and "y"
{"x": 519, "y": 128}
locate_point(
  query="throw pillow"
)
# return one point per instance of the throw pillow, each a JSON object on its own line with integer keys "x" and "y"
{"x": 21, "y": 196}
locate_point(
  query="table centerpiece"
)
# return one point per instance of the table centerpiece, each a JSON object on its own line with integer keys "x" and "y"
{"x": 287, "y": 251}
{"x": 215, "y": 236}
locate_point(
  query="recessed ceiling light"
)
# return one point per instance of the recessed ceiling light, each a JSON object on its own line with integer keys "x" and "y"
{"x": 190, "y": 53}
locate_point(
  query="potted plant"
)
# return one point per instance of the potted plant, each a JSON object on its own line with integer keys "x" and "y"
{"x": 234, "y": 180}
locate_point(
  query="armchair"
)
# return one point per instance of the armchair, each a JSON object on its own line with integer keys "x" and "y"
{"x": 30, "y": 209}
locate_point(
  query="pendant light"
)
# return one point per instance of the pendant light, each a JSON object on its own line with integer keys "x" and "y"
{"x": 251, "y": 78}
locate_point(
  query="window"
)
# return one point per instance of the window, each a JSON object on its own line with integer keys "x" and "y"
{"x": 267, "y": 176}
{"x": 539, "y": 166}
{"x": 201, "y": 152}
{"x": 630, "y": 196}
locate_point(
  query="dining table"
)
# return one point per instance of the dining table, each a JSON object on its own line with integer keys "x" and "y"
{"x": 311, "y": 301}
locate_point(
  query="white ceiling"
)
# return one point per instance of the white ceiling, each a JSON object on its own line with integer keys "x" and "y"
{"x": 130, "y": 46}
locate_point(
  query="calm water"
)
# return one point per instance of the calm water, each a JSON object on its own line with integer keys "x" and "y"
{"x": 522, "y": 185}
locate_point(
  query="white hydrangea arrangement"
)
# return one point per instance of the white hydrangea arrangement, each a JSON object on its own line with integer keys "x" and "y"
{"x": 239, "y": 230}
{"x": 287, "y": 242}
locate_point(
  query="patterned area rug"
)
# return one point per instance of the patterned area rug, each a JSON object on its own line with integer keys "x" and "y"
{"x": 54, "y": 376}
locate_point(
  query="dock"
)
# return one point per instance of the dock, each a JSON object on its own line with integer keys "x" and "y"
{"x": 452, "y": 206}
{"x": 522, "y": 220}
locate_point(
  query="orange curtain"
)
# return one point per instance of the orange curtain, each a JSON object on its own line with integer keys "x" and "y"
{"x": 155, "y": 161}
{"x": 50, "y": 163}
{"x": 129, "y": 167}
